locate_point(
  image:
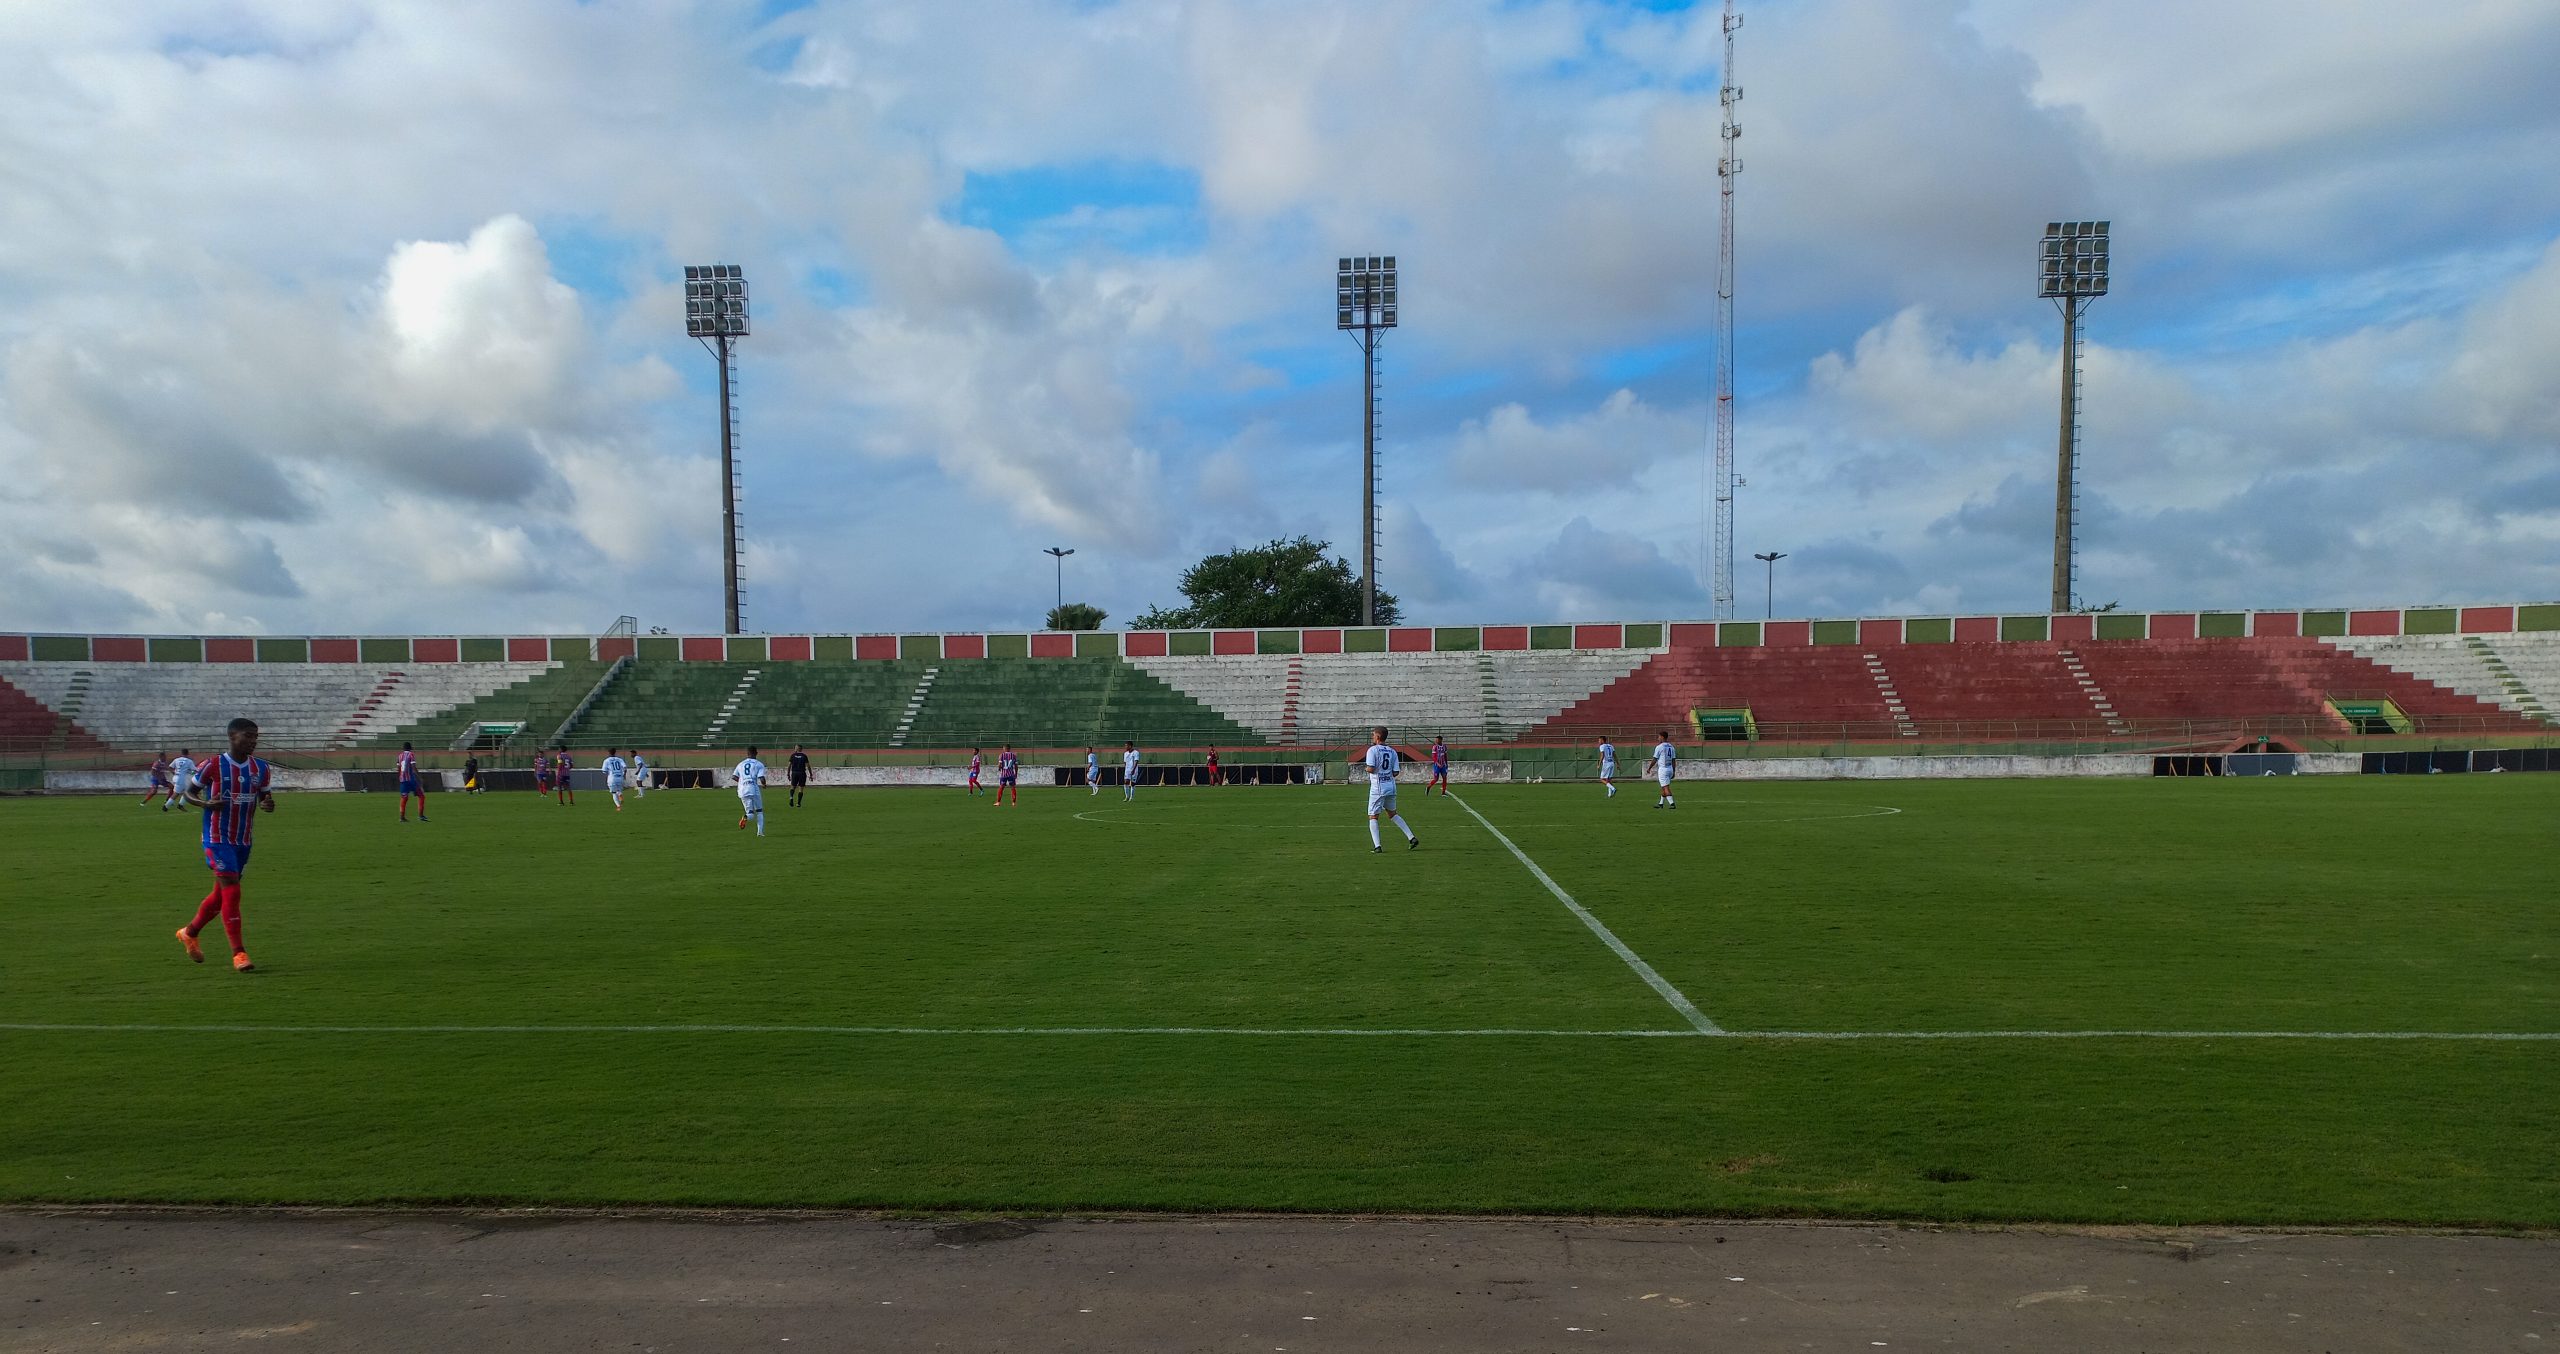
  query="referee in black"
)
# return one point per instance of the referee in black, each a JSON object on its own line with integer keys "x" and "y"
{"x": 799, "y": 775}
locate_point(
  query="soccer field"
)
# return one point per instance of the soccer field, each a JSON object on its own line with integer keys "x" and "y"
{"x": 2010, "y": 1000}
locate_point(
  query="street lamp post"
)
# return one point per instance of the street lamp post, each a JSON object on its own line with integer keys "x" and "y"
{"x": 1060, "y": 556}
{"x": 1769, "y": 599}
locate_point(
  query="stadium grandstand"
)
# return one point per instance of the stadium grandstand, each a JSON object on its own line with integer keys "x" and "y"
{"x": 2300, "y": 680}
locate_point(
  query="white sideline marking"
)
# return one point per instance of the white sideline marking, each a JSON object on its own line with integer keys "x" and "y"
{"x": 1662, "y": 986}
{"x": 2493, "y": 1035}
{"x": 2458, "y": 1036}
{"x": 833, "y": 1029}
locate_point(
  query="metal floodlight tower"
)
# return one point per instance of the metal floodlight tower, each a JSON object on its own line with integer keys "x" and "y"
{"x": 715, "y": 314}
{"x": 1728, "y": 164}
{"x": 1364, "y": 303}
{"x": 2072, "y": 271}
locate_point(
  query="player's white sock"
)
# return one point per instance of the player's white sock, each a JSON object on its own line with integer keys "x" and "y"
{"x": 1404, "y": 827}
{"x": 1373, "y": 832}
{"x": 759, "y": 822}
{"x": 1613, "y": 791}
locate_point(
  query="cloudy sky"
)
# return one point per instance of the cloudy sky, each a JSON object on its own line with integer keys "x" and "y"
{"x": 333, "y": 315}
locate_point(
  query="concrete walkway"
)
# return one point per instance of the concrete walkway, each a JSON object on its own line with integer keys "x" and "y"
{"x": 480, "y": 1282}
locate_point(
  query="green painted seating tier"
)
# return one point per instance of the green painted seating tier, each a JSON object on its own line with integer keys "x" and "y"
{"x": 1048, "y": 701}
{"x": 540, "y": 701}
{"x": 1063, "y": 701}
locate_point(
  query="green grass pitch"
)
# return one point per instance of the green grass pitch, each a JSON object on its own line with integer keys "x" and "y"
{"x": 409, "y": 1035}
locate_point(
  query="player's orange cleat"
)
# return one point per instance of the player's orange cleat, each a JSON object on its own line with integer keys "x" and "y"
{"x": 240, "y": 962}
{"x": 195, "y": 949}
{"x": 742, "y": 822}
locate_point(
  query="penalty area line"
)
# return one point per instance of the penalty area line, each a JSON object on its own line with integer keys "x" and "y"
{"x": 1661, "y": 986}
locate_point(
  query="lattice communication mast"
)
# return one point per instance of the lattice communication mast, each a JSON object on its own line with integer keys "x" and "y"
{"x": 1728, "y": 164}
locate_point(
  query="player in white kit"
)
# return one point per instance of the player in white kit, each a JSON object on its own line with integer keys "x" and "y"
{"x": 639, "y": 774}
{"x": 750, "y": 777}
{"x": 616, "y": 771}
{"x": 182, "y": 775}
{"x": 1092, "y": 772}
{"x": 1129, "y": 772}
{"x": 1666, "y": 760}
{"x": 1382, "y": 762}
{"x": 1609, "y": 767}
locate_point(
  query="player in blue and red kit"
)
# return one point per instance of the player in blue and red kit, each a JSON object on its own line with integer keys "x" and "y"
{"x": 1008, "y": 776}
{"x": 560, "y": 767}
{"x": 161, "y": 788}
{"x": 232, "y": 791}
{"x": 1439, "y": 766}
{"x": 406, "y": 764}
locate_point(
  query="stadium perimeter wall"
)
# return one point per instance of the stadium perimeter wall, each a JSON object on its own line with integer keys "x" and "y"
{"x": 2074, "y": 627}
{"x": 1492, "y": 771}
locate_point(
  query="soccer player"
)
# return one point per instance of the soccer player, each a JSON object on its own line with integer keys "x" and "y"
{"x": 232, "y": 793}
{"x": 1665, "y": 759}
{"x": 560, "y": 765}
{"x": 798, "y": 769}
{"x": 1092, "y": 772}
{"x": 1381, "y": 761}
{"x": 159, "y": 784}
{"x": 542, "y": 771}
{"x": 639, "y": 774}
{"x": 1215, "y": 776}
{"x": 1609, "y": 766}
{"x": 1008, "y": 776}
{"x": 976, "y": 760}
{"x": 182, "y": 776}
{"x": 471, "y": 774}
{"x": 750, "y": 777}
{"x": 1129, "y": 771}
{"x": 406, "y": 765}
{"x": 615, "y": 769}
{"x": 1439, "y": 766}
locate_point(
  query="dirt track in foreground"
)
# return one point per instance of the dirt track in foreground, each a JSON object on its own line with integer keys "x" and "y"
{"x": 79, "y": 1280}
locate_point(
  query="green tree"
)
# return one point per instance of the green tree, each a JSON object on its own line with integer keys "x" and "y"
{"x": 1284, "y": 583}
{"x": 1076, "y": 616}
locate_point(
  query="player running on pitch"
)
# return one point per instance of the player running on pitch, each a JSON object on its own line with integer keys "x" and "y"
{"x": 1609, "y": 766}
{"x": 232, "y": 792}
{"x": 1664, "y": 762}
{"x": 1382, "y": 762}
{"x": 977, "y": 760}
{"x": 1129, "y": 771}
{"x": 749, "y": 774}
{"x": 1439, "y": 766}
{"x": 798, "y": 770}
{"x": 406, "y": 766}
{"x": 159, "y": 784}
{"x": 1092, "y": 773}
{"x": 182, "y": 777}
{"x": 639, "y": 774}
{"x": 616, "y": 771}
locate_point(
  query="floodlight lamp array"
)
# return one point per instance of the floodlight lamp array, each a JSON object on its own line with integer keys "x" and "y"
{"x": 1364, "y": 292}
{"x": 715, "y": 301}
{"x": 2074, "y": 260}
